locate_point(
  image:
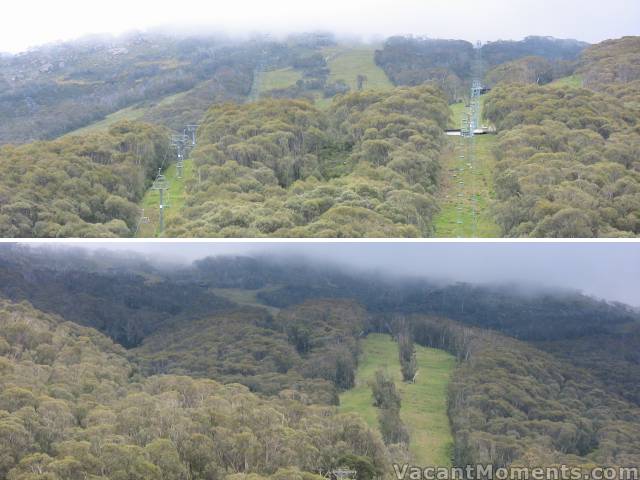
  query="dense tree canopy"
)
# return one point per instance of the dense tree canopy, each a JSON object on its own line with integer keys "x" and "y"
{"x": 533, "y": 69}
{"x": 450, "y": 63}
{"x": 73, "y": 402}
{"x": 81, "y": 186}
{"x": 309, "y": 348}
{"x": 283, "y": 168}
{"x": 567, "y": 162}
{"x": 611, "y": 62}
{"x": 73, "y": 406}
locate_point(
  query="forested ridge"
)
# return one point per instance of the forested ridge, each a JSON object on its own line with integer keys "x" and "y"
{"x": 511, "y": 404}
{"x": 52, "y": 90}
{"x": 232, "y": 389}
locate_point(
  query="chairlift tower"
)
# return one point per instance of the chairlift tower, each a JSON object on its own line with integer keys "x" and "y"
{"x": 190, "y": 131}
{"x": 179, "y": 142}
{"x": 343, "y": 473}
{"x": 161, "y": 185}
{"x": 143, "y": 220}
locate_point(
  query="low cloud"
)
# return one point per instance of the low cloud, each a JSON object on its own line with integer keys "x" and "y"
{"x": 606, "y": 270}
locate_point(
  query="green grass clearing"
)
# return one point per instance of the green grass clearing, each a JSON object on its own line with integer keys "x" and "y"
{"x": 457, "y": 109}
{"x": 132, "y": 113}
{"x": 346, "y": 63}
{"x": 466, "y": 188}
{"x": 570, "y": 81}
{"x": 129, "y": 113}
{"x": 246, "y": 297}
{"x": 424, "y": 404}
{"x": 174, "y": 198}
{"x": 276, "y": 79}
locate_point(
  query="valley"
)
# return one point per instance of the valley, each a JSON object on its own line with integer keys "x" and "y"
{"x": 159, "y": 361}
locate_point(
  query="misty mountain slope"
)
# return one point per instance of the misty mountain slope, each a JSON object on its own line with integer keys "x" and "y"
{"x": 448, "y": 63}
{"x": 72, "y": 406}
{"x": 170, "y": 80}
{"x": 310, "y": 348}
{"x": 510, "y": 402}
{"x": 125, "y": 305}
{"x": 320, "y": 75}
{"x": 56, "y": 89}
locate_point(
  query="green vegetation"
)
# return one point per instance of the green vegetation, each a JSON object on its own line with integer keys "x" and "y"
{"x": 448, "y": 63}
{"x": 73, "y": 406}
{"x": 612, "y": 62}
{"x": 476, "y": 188}
{"x": 564, "y": 392}
{"x": 575, "y": 81}
{"x": 536, "y": 70}
{"x": 246, "y": 297}
{"x": 347, "y": 63}
{"x": 320, "y": 74}
{"x": 126, "y": 114}
{"x": 80, "y": 186}
{"x": 423, "y": 409}
{"x": 368, "y": 167}
{"x": 58, "y": 89}
{"x": 567, "y": 163}
{"x": 309, "y": 348}
{"x": 277, "y": 79}
{"x": 477, "y": 191}
{"x": 174, "y": 199}
{"x": 511, "y": 404}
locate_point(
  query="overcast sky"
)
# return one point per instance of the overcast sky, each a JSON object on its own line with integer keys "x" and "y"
{"x": 605, "y": 270}
{"x": 26, "y": 23}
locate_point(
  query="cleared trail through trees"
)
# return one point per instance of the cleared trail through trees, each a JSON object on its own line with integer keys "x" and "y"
{"x": 476, "y": 182}
{"x": 467, "y": 184}
{"x": 423, "y": 403}
{"x": 175, "y": 198}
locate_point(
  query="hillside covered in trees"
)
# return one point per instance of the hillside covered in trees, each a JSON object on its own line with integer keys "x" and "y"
{"x": 233, "y": 383}
{"x": 368, "y": 167}
{"x": 81, "y": 186}
{"x": 296, "y": 140}
{"x": 567, "y": 162}
{"x": 450, "y": 63}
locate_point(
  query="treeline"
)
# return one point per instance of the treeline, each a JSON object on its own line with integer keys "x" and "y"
{"x": 611, "y": 62}
{"x": 414, "y": 61}
{"x": 314, "y": 79}
{"x": 449, "y": 63}
{"x": 283, "y": 168}
{"x": 532, "y": 69}
{"x": 118, "y": 300}
{"x": 81, "y": 186}
{"x": 73, "y": 407}
{"x": 567, "y": 162}
{"x": 512, "y": 405}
